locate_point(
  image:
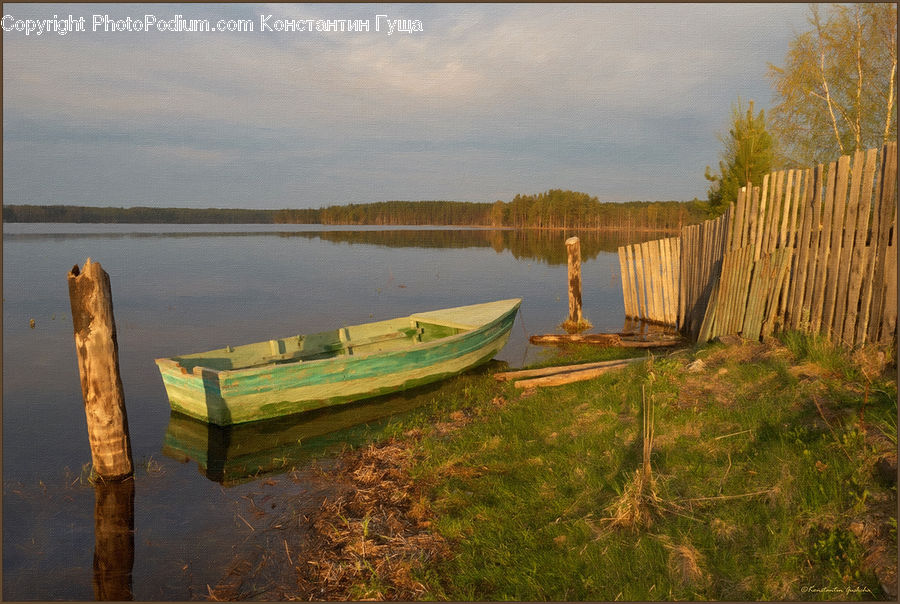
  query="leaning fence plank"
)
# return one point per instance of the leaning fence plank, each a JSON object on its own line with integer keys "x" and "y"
{"x": 647, "y": 264}
{"x": 782, "y": 239}
{"x": 801, "y": 255}
{"x": 889, "y": 315}
{"x": 813, "y": 252}
{"x": 846, "y": 259}
{"x": 706, "y": 328}
{"x": 818, "y": 299}
{"x": 754, "y": 218}
{"x": 860, "y": 256}
{"x": 737, "y": 231}
{"x": 632, "y": 275}
{"x": 682, "y": 297}
{"x": 675, "y": 251}
{"x": 865, "y": 301}
{"x": 641, "y": 283}
{"x": 781, "y": 260}
{"x": 886, "y": 223}
{"x": 751, "y": 326}
{"x": 834, "y": 245}
{"x": 739, "y": 304}
{"x": 687, "y": 267}
{"x": 760, "y": 222}
{"x": 789, "y": 239}
{"x": 623, "y": 277}
{"x": 666, "y": 260}
{"x": 774, "y": 217}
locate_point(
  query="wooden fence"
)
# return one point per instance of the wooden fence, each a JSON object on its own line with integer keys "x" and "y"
{"x": 812, "y": 250}
{"x": 650, "y": 277}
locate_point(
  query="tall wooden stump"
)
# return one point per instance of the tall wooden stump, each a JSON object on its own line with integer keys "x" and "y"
{"x": 113, "y": 540}
{"x": 576, "y": 321}
{"x": 98, "y": 363}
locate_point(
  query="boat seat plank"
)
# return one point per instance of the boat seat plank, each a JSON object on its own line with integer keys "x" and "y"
{"x": 345, "y": 344}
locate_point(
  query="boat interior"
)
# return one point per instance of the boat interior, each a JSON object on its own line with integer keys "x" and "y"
{"x": 369, "y": 338}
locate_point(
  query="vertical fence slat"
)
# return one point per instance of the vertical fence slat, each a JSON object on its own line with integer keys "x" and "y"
{"x": 639, "y": 271}
{"x": 818, "y": 290}
{"x": 797, "y": 275}
{"x": 774, "y": 217}
{"x": 834, "y": 244}
{"x": 623, "y": 277}
{"x": 846, "y": 259}
{"x": 859, "y": 259}
{"x": 886, "y": 221}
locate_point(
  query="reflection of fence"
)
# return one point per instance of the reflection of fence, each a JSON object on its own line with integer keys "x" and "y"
{"x": 811, "y": 249}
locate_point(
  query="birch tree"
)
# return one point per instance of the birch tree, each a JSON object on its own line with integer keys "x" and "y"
{"x": 836, "y": 92}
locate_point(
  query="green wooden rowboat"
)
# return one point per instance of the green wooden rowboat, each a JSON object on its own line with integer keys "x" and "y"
{"x": 233, "y": 385}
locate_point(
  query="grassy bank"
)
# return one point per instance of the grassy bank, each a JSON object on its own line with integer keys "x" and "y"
{"x": 772, "y": 476}
{"x": 767, "y": 483}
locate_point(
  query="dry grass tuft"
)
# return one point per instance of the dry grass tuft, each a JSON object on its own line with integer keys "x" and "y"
{"x": 638, "y": 504}
{"x": 723, "y": 530}
{"x": 686, "y": 565}
{"x": 370, "y": 541}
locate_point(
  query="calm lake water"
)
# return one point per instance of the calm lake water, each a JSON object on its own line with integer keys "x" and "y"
{"x": 187, "y": 288}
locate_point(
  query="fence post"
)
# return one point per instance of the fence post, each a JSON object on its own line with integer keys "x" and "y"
{"x": 98, "y": 363}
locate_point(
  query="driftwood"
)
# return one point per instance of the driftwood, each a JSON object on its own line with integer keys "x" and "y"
{"x": 569, "y": 377}
{"x": 545, "y": 371}
{"x": 599, "y": 339}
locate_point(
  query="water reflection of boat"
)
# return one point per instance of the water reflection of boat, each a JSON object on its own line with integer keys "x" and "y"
{"x": 234, "y": 454}
{"x": 233, "y": 385}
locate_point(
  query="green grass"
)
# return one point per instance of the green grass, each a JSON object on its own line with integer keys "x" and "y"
{"x": 762, "y": 463}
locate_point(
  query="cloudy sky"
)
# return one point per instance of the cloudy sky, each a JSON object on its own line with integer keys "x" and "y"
{"x": 621, "y": 101}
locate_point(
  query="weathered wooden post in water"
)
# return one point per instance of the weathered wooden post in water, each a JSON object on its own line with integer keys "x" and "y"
{"x": 576, "y": 321}
{"x": 98, "y": 363}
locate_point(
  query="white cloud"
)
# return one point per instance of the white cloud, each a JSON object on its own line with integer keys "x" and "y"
{"x": 495, "y": 82}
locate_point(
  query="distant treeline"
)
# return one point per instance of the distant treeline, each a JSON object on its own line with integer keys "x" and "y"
{"x": 555, "y": 209}
{"x": 141, "y": 215}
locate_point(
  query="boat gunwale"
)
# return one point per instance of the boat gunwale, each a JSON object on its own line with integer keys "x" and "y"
{"x": 199, "y": 370}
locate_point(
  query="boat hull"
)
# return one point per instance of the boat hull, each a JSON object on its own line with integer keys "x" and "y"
{"x": 226, "y": 397}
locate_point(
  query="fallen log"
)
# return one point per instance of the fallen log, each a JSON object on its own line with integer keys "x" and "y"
{"x": 568, "y": 377}
{"x": 545, "y": 371}
{"x": 600, "y": 339}
{"x": 603, "y": 339}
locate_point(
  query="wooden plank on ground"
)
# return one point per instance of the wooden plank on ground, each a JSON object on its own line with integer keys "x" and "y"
{"x": 567, "y": 378}
{"x": 600, "y": 339}
{"x": 506, "y": 376}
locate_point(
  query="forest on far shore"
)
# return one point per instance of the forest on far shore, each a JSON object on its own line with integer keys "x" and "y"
{"x": 553, "y": 209}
